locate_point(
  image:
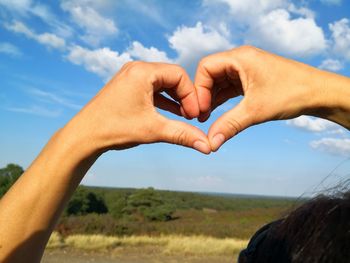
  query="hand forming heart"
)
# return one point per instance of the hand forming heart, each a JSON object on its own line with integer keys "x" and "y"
{"x": 123, "y": 113}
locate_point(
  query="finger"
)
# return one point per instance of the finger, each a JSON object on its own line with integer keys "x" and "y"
{"x": 174, "y": 77}
{"x": 166, "y": 104}
{"x": 229, "y": 124}
{"x": 217, "y": 66}
{"x": 174, "y": 96}
{"x": 177, "y": 132}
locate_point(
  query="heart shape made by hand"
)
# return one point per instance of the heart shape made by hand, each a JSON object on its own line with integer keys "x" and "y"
{"x": 270, "y": 91}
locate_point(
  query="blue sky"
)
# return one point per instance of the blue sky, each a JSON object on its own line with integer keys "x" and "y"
{"x": 55, "y": 55}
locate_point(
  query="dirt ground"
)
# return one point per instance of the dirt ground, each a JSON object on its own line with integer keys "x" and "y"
{"x": 146, "y": 255}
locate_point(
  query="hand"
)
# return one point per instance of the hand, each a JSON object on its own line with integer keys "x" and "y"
{"x": 274, "y": 88}
{"x": 123, "y": 113}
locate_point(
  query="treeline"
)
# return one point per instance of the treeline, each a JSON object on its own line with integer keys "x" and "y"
{"x": 114, "y": 211}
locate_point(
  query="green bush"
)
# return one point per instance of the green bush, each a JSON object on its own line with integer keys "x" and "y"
{"x": 85, "y": 202}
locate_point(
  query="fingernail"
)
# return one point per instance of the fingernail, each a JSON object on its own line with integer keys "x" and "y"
{"x": 217, "y": 141}
{"x": 201, "y": 147}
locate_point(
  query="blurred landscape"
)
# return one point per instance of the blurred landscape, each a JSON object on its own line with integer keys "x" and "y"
{"x": 149, "y": 225}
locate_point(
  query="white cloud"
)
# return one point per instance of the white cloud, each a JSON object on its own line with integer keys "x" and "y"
{"x": 96, "y": 26}
{"x": 36, "y": 110}
{"x": 341, "y": 37}
{"x": 192, "y": 43}
{"x": 10, "y": 49}
{"x": 276, "y": 25}
{"x": 332, "y": 2}
{"x": 331, "y": 65}
{"x": 47, "y": 39}
{"x": 152, "y": 54}
{"x": 313, "y": 124}
{"x": 51, "y": 40}
{"x": 332, "y": 146}
{"x": 280, "y": 32}
{"x": 104, "y": 62}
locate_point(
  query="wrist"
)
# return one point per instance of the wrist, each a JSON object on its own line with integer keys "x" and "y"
{"x": 330, "y": 97}
{"x": 77, "y": 141}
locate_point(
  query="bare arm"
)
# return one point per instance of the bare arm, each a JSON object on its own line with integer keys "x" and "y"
{"x": 274, "y": 88}
{"x": 120, "y": 116}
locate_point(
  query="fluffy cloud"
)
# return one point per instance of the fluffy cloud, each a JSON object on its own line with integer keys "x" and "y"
{"x": 277, "y": 25}
{"x": 96, "y": 26}
{"x": 341, "y": 37}
{"x": 104, "y": 62}
{"x": 152, "y": 54}
{"x": 333, "y": 146}
{"x": 192, "y": 43}
{"x": 278, "y": 31}
{"x": 331, "y": 65}
{"x": 10, "y": 49}
{"x": 47, "y": 39}
{"x": 313, "y": 124}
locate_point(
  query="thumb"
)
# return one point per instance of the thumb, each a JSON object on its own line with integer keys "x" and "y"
{"x": 228, "y": 125}
{"x": 178, "y": 132}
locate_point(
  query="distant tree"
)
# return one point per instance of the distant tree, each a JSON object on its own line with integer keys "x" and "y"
{"x": 8, "y": 176}
{"x": 148, "y": 203}
{"x": 85, "y": 202}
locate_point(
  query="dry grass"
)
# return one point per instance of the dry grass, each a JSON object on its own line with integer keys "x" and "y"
{"x": 92, "y": 242}
{"x": 172, "y": 244}
{"x": 201, "y": 245}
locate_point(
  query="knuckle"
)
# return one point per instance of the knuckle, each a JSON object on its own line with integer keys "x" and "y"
{"x": 233, "y": 126}
{"x": 180, "y": 137}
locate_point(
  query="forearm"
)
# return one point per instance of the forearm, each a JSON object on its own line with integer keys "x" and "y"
{"x": 331, "y": 97}
{"x": 30, "y": 210}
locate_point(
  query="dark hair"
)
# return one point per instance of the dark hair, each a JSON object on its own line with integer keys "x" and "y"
{"x": 317, "y": 231}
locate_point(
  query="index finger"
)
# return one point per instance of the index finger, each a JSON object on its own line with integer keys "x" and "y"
{"x": 209, "y": 69}
{"x": 169, "y": 76}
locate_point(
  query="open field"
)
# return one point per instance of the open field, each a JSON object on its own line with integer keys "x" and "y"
{"x": 202, "y": 227}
